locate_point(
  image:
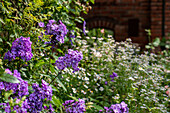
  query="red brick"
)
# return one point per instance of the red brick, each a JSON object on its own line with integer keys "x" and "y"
{"x": 123, "y": 10}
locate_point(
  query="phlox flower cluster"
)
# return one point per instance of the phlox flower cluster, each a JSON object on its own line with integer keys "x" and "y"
{"x": 20, "y": 88}
{"x": 71, "y": 106}
{"x": 33, "y": 102}
{"x": 117, "y": 108}
{"x": 36, "y": 99}
{"x": 21, "y": 47}
{"x": 58, "y": 31}
{"x": 70, "y": 59}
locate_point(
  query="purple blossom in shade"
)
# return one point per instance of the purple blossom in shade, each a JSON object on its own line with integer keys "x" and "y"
{"x": 100, "y": 111}
{"x": 21, "y": 47}
{"x": 71, "y": 106}
{"x": 51, "y": 110}
{"x": 1, "y": 86}
{"x": 7, "y": 108}
{"x": 20, "y": 88}
{"x": 113, "y": 76}
{"x": 70, "y": 59}
{"x": 41, "y": 24}
{"x": 34, "y": 102}
{"x": 117, "y": 108}
{"x": 8, "y": 71}
{"x": 9, "y": 56}
{"x": 58, "y": 31}
{"x": 105, "y": 83}
{"x": 36, "y": 99}
{"x": 51, "y": 21}
{"x": 84, "y": 27}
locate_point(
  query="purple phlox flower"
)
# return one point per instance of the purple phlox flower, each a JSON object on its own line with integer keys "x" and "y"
{"x": 105, "y": 83}
{"x": 106, "y": 108}
{"x": 51, "y": 110}
{"x": 117, "y": 108}
{"x": 100, "y": 111}
{"x": 34, "y": 102}
{"x": 113, "y": 76}
{"x": 9, "y": 56}
{"x": 41, "y": 24}
{"x": 19, "y": 90}
{"x": 8, "y": 71}
{"x": 21, "y": 47}
{"x": 84, "y": 27}
{"x": 51, "y": 21}
{"x": 58, "y": 31}
{"x": 36, "y": 99}
{"x": 124, "y": 107}
{"x": 71, "y": 106}
{"x": 1, "y": 86}
{"x": 7, "y": 109}
{"x": 70, "y": 59}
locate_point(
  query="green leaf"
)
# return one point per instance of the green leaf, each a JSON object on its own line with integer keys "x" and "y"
{"x": 97, "y": 107}
{"x": 167, "y": 46}
{"x": 101, "y": 97}
{"x": 56, "y": 101}
{"x": 9, "y": 44}
{"x": 59, "y": 50}
{"x": 52, "y": 68}
{"x": 12, "y": 36}
{"x": 2, "y": 21}
{"x": 8, "y": 93}
{"x": 23, "y": 69}
{"x": 74, "y": 98}
{"x": 56, "y": 57}
{"x": 9, "y": 78}
{"x": 61, "y": 84}
{"x": 92, "y": 1}
{"x": 1, "y": 40}
{"x": 147, "y": 46}
{"x": 40, "y": 63}
{"x": 148, "y": 31}
{"x": 67, "y": 39}
{"x": 78, "y": 20}
{"x": 70, "y": 1}
{"x": 156, "y": 42}
{"x": 55, "y": 89}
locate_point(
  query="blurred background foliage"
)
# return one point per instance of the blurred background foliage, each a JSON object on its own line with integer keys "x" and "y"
{"x": 22, "y": 17}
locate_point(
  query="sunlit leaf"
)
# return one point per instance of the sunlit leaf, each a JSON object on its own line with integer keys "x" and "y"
{"x": 9, "y": 78}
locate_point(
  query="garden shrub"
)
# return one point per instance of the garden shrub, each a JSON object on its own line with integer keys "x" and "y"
{"x": 40, "y": 42}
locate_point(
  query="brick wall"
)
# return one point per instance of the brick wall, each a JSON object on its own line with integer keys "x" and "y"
{"x": 156, "y": 18}
{"x": 167, "y": 19}
{"x": 115, "y": 15}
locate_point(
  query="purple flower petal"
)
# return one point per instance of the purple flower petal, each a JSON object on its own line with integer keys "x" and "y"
{"x": 41, "y": 24}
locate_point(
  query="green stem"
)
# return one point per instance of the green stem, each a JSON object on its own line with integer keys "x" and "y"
{"x": 2, "y": 98}
{"x": 55, "y": 77}
{"x": 49, "y": 60}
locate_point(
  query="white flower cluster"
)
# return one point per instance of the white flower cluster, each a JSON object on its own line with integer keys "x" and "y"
{"x": 140, "y": 76}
